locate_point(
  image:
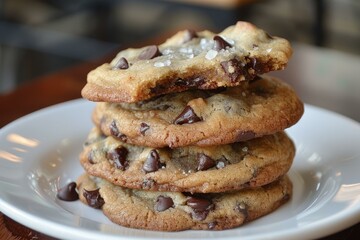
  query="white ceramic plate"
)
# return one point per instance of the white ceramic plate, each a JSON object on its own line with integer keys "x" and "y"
{"x": 39, "y": 153}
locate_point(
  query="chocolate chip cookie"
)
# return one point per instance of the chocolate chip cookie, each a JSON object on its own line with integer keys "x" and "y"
{"x": 260, "y": 107}
{"x": 188, "y": 60}
{"x": 189, "y": 169}
{"x": 176, "y": 211}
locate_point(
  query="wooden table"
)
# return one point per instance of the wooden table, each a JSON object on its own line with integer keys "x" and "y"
{"x": 56, "y": 88}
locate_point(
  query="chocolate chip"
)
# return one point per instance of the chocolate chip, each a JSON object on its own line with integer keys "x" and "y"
{"x": 93, "y": 198}
{"x": 200, "y": 206}
{"x": 205, "y": 162}
{"x": 245, "y": 135}
{"x": 68, "y": 192}
{"x": 150, "y": 53}
{"x": 121, "y": 64}
{"x": 232, "y": 69}
{"x": 189, "y": 35}
{"x": 242, "y": 208}
{"x": 220, "y": 43}
{"x": 118, "y": 157}
{"x": 143, "y": 128}
{"x": 199, "y": 215}
{"x": 187, "y": 116}
{"x": 163, "y": 203}
{"x": 116, "y": 133}
{"x": 152, "y": 162}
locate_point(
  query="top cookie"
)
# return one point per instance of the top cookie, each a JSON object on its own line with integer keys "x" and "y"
{"x": 188, "y": 60}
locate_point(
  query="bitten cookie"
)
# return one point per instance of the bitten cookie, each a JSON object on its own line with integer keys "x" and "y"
{"x": 174, "y": 211}
{"x": 256, "y": 108}
{"x": 189, "y": 169}
{"x": 188, "y": 60}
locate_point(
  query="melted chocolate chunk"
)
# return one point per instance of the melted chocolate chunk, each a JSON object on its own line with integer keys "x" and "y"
{"x": 121, "y": 64}
{"x": 205, "y": 162}
{"x": 187, "y": 116}
{"x": 243, "y": 209}
{"x": 189, "y": 35}
{"x": 116, "y": 133}
{"x": 258, "y": 67}
{"x": 244, "y": 136}
{"x": 184, "y": 83}
{"x": 252, "y": 63}
{"x": 232, "y": 69}
{"x": 163, "y": 203}
{"x": 118, "y": 157}
{"x": 143, "y": 128}
{"x": 68, "y": 192}
{"x": 152, "y": 162}
{"x": 150, "y": 53}
{"x": 201, "y": 207}
{"x": 190, "y": 82}
{"x": 220, "y": 43}
{"x": 93, "y": 198}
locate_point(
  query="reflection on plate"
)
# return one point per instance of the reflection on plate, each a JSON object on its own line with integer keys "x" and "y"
{"x": 39, "y": 153}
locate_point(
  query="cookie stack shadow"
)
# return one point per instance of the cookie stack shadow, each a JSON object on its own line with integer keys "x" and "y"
{"x": 190, "y": 134}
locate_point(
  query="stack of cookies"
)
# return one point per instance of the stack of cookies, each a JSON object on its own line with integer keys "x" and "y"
{"x": 189, "y": 134}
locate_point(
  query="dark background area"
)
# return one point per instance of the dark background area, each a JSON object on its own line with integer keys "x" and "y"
{"x": 41, "y": 36}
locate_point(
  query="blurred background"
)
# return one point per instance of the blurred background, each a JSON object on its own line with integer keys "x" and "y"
{"x": 38, "y": 37}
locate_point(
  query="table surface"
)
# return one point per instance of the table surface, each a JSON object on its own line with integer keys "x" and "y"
{"x": 66, "y": 85}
